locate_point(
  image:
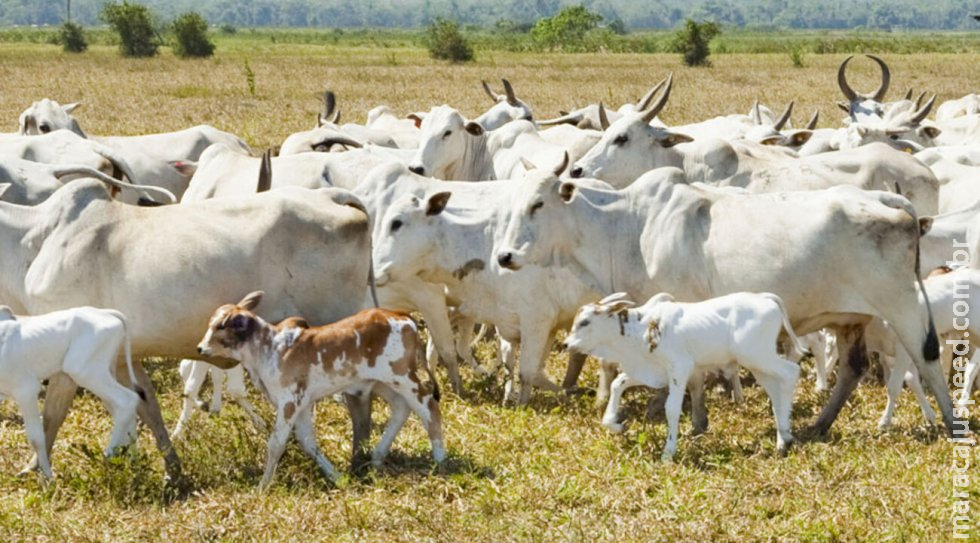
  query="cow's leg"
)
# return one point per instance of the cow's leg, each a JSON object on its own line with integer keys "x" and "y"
{"x": 780, "y": 384}
{"x": 912, "y": 380}
{"x": 306, "y": 436}
{"x": 536, "y": 338}
{"x": 193, "y": 373}
{"x": 277, "y": 442}
{"x": 972, "y": 374}
{"x": 236, "y": 391}
{"x": 26, "y": 398}
{"x": 607, "y": 373}
{"x": 359, "y": 406}
{"x": 896, "y": 367}
{"x": 507, "y": 355}
{"x": 672, "y": 409}
{"x": 736, "y": 383}
{"x": 149, "y": 412}
{"x": 58, "y": 398}
{"x": 464, "y": 337}
{"x": 912, "y": 335}
{"x": 218, "y": 379}
{"x": 399, "y": 414}
{"x": 610, "y": 419}
{"x": 575, "y": 363}
{"x": 699, "y": 412}
{"x": 432, "y": 306}
{"x": 850, "y": 340}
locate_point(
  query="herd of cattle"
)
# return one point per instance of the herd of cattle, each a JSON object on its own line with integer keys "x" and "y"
{"x": 502, "y": 221}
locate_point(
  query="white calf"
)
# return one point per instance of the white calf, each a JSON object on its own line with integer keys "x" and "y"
{"x": 84, "y": 344}
{"x": 194, "y": 373}
{"x": 296, "y": 365}
{"x": 664, "y": 343}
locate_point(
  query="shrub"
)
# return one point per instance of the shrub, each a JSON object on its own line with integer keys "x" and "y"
{"x": 692, "y": 41}
{"x": 134, "y": 24}
{"x": 71, "y": 38}
{"x": 796, "y": 56}
{"x": 445, "y": 42}
{"x": 191, "y": 33}
{"x": 228, "y": 28}
{"x": 566, "y": 28}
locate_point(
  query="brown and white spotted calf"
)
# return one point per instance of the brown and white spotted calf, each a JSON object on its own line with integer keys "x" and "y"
{"x": 295, "y": 365}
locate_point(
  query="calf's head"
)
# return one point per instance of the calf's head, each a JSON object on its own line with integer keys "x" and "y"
{"x": 230, "y": 327}
{"x": 600, "y": 326}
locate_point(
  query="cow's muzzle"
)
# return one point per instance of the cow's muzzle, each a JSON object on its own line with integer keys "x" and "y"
{"x": 418, "y": 170}
{"x": 506, "y": 260}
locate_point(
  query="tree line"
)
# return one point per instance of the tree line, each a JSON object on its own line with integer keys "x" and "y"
{"x": 520, "y": 15}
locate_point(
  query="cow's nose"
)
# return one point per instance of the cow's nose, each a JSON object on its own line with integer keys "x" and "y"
{"x": 505, "y": 259}
{"x": 200, "y": 350}
{"x": 563, "y": 345}
{"x": 576, "y": 172}
{"x": 45, "y": 128}
{"x": 419, "y": 170}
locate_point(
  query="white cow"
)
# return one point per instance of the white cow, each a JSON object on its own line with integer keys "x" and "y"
{"x": 81, "y": 343}
{"x": 310, "y": 250}
{"x": 590, "y": 116}
{"x": 950, "y": 109}
{"x": 813, "y": 249}
{"x": 28, "y": 183}
{"x": 664, "y": 344}
{"x": 507, "y": 107}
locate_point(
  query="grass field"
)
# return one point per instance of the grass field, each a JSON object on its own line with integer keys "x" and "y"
{"x": 546, "y": 473}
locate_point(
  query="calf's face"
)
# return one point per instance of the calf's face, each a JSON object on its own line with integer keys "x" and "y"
{"x": 230, "y": 327}
{"x": 596, "y": 327}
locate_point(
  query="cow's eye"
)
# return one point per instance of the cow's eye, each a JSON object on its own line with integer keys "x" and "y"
{"x": 583, "y": 324}
{"x": 893, "y": 137}
{"x": 536, "y": 207}
{"x": 448, "y": 133}
{"x": 45, "y": 128}
{"x": 395, "y": 225}
{"x": 220, "y": 326}
{"x": 621, "y": 139}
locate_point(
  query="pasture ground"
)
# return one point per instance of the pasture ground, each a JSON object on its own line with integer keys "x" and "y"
{"x": 546, "y": 473}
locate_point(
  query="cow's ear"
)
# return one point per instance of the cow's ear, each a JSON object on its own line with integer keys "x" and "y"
{"x": 68, "y": 108}
{"x": 184, "y": 167}
{"x": 474, "y": 128}
{"x": 771, "y": 140}
{"x": 618, "y": 307}
{"x": 437, "y": 202}
{"x": 931, "y": 131}
{"x": 528, "y": 165}
{"x": 416, "y": 118}
{"x": 566, "y": 191}
{"x": 672, "y": 138}
{"x": 251, "y": 300}
{"x": 800, "y": 137}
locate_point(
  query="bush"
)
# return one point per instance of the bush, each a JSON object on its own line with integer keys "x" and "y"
{"x": 445, "y": 42}
{"x": 71, "y": 38}
{"x": 796, "y": 56}
{"x": 134, "y": 24}
{"x": 692, "y": 41}
{"x": 567, "y": 28}
{"x": 191, "y": 33}
{"x": 228, "y": 28}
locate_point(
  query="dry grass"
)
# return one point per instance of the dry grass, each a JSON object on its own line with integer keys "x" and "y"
{"x": 541, "y": 474}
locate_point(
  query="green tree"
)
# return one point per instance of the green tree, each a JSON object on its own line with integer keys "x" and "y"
{"x": 191, "y": 35}
{"x": 135, "y": 25}
{"x": 692, "y": 41}
{"x": 71, "y": 38}
{"x": 446, "y": 42}
{"x": 566, "y": 29}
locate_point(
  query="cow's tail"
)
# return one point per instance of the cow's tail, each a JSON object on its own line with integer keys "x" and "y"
{"x": 800, "y": 347}
{"x": 129, "y": 353}
{"x": 420, "y": 360}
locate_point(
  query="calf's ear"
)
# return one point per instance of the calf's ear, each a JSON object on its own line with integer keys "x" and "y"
{"x": 437, "y": 202}
{"x": 251, "y": 300}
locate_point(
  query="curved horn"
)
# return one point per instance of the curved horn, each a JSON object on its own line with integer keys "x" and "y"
{"x": 755, "y": 114}
{"x": 509, "y": 91}
{"x": 908, "y": 95}
{"x": 643, "y": 102}
{"x": 145, "y": 190}
{"x": 564, "y": 119}
{"x": 784, "y": 117}
{"x": 338, "y": 140}
{"x": 918, "y": 101}
{"x": 486, "y": 88}
{"x": 265, "y": 172}
{"x": 886, "y": 77}
{"x": 329, "y": 105}
{"x": 661, "y": 102}
{"x": 564, "y": 164}
{"x": 813, "y": 120}
{"x": 842, "y": 81}
{"x": 921, "y": 114}
{"x": 603, "y": 118}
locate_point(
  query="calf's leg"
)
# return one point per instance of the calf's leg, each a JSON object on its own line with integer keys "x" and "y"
{"x": 306, "y": 436}
{"x": 58, "y": 398}
{"x": 399, "y": 414}
{"x": 193, "y": 373}
{"x": 26, "y": 398}
{"x": 610, "y": 419}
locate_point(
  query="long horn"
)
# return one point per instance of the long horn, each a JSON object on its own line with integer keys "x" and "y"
{"x": 661, "y": 102}
{"x": 564, "y": 164}
{"x": 338, "y": 140}
{"x": 918, "y": 101}
{"x": 603, "y": 118}
{"x": 509, "y": 91}
{"x": 755, "y": 114}
{"x": 643, "y": 102}
{"x": 784, "y": 117}
{"x": 330, "y": 106}
{"x": 486, "y": 88}
{"x": 813, "y": 120}
{"x": 924, "y": 111}
{"x": 842, "y": 81}
{"x": 908, "y": 95}
{"x": 886, "y": 78}
{"x": 145, "y": 190}
{"x": 564, "y": 119}
{"x": 265, "y": 172}
{"x": 612, "y": 298}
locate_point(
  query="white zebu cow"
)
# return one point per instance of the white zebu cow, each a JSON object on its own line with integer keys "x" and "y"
{"x": 421, "y": 239}
{"x": 950, "y": 109}
{"x": 631, "y": 147}
{"x": 81, "y": 343}
{"x": 812, "y": 249}
{"x": 405, "y": 131}
{"x": 310, "y": 250}
{"x": 26, "y": 182}
{"x": 663, "y": 343}
{"x": 506, "y": 107}
{"x": 590, "y": 116}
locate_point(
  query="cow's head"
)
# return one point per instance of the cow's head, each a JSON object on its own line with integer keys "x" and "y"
{"x": 47, "y": 116}
{"x": 231, "y": 327}
{"x": 507, "y": 107}
{"x": 630, "y": 147}
{"x": 539, "y": 228}
{"x": 776, "y": 131}
{"x": 445, "y": 137}
{"x": 901, "y": 128}
{"x": 406, "y": 236}
{"x": 600, "y": 324}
